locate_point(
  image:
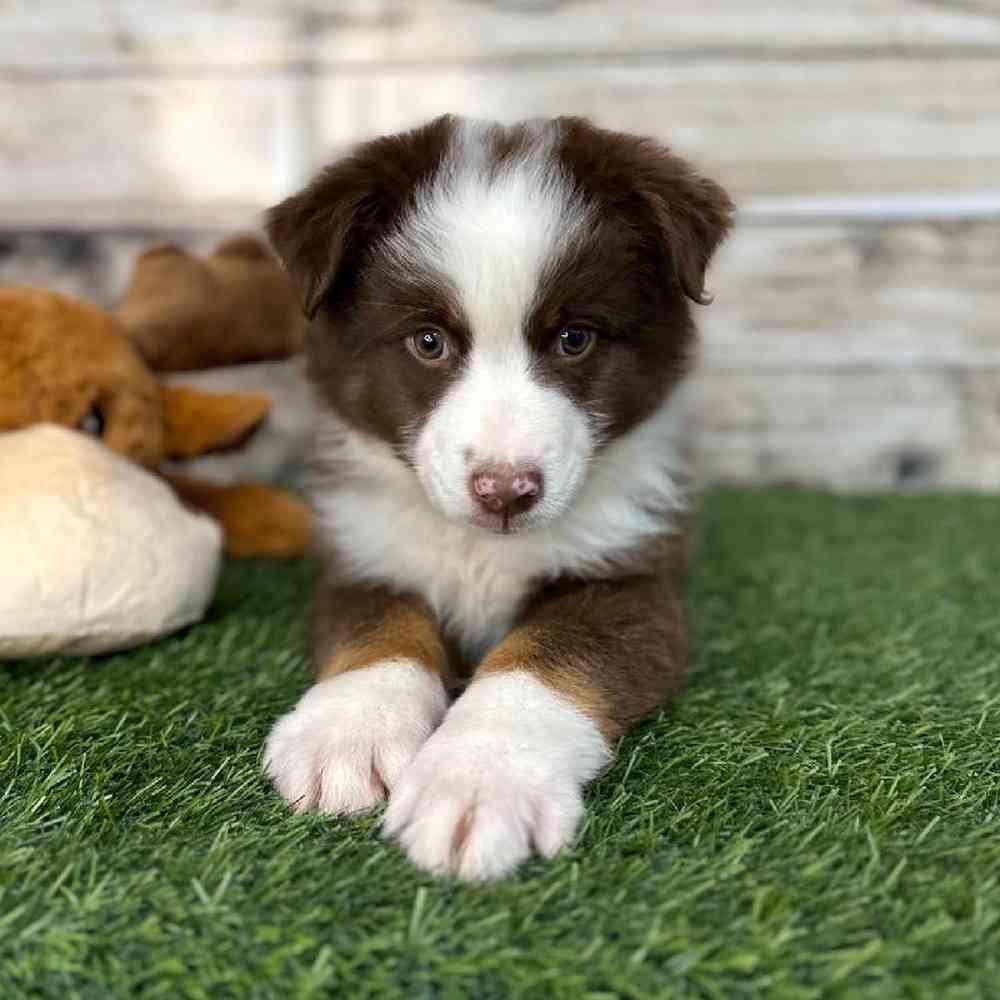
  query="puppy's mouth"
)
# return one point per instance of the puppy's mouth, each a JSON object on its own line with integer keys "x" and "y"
{"x": 502, "y": 522}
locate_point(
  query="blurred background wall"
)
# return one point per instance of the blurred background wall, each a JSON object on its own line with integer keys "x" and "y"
{"x": 855, "y": 337}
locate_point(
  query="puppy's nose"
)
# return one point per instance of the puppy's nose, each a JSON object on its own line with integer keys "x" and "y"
{"x": 506, "y": 489}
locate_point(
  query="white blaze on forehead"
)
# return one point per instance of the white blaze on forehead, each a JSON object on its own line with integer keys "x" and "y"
{"x": 491, "y": 230}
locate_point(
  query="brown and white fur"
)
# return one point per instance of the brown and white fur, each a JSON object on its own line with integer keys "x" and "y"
{"x": 508, "y": 512}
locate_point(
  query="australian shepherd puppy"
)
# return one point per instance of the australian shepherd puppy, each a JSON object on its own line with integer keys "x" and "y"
{"x": 500, "y": 320}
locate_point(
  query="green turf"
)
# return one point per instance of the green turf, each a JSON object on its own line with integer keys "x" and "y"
{"x": 818, "y": 816}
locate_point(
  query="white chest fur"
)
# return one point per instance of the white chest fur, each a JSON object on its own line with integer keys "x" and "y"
{"x": 385, "y": 531}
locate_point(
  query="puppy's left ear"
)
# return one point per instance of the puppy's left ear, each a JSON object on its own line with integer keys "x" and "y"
{"x": 686, "y": 214}
{"x": 693, "y": 214}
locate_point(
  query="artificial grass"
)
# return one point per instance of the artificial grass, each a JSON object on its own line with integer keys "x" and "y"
{"x": 818, "y": 815}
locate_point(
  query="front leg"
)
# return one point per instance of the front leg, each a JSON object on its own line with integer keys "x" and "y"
{"x": 504, "y": 773}
{"x": 379, "y": 696}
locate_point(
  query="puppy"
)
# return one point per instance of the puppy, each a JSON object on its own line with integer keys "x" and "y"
{"x": 500, "y": 320}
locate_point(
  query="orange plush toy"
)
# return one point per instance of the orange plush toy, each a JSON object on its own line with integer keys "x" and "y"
{"x": 68, "y": 362}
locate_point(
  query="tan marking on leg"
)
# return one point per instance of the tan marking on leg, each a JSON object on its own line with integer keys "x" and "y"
{"x": 615, "y": 650}
{"x": 523, "y": 650}
{"x": 405, "y": 633}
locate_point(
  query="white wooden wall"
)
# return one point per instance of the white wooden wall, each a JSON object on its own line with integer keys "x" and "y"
{"x": 855, "y": 339}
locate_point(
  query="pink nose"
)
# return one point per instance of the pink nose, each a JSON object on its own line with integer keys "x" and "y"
{"x": 506, "y": 489}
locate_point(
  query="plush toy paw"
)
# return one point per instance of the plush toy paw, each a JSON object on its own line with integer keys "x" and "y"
{"x": 501, "y": 777}
{"x": 235, "y": 306}
{"x": 258, "y": 520}
{"x": 349, "y": 738}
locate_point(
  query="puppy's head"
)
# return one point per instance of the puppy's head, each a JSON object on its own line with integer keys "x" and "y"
{"x": 499, "y": 303}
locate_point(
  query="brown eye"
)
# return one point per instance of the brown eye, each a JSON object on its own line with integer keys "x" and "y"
{"x": 92, "y": 422}
{"x": 429, "y": 345}
{"x": 575, "y": 341}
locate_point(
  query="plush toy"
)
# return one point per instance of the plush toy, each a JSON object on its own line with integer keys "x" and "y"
{"x": 235, "y": 306}
{"x": 101, "y": 546}
{"x": 229, "y": 321}
{"x": 68, "y": 362}
{"x": 96, "y": 553}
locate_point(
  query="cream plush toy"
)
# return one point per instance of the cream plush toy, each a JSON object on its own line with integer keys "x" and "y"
{"x": 97, "y": 549}
{"x": 96, "y": 553}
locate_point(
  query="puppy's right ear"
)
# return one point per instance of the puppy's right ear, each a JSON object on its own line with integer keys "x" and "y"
{"x": 322, "y": 232}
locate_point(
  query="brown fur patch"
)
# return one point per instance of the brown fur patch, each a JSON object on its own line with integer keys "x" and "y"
{"x": 357, "y": 627}
{"x": 679, "y": 214}
{"x": 612, "y": 285}
{"x": 372, "y": 378}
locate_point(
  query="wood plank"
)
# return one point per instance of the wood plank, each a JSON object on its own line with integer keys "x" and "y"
{"x": 877, "y": 430}
{"x": 861, "y": 355}
{"x": 854, "y": 355}
{"x": 438, "y": 32}
{"x": 871, "y": 430}
{"x": 135, "y": 36}
{"x": 976, "y": 461}
{"x": 856, "y": 296}
{"x": 129, "y": 35}
{"x": 88, "y": 263}
{"x": 144, "y": 150}
{"x": 216, "y": 149}
{"x": 762, "y": 128}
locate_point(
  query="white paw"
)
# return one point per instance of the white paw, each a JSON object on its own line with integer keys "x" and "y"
{"x": 347, "y": 741}
{"x": 503, "y": 775}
